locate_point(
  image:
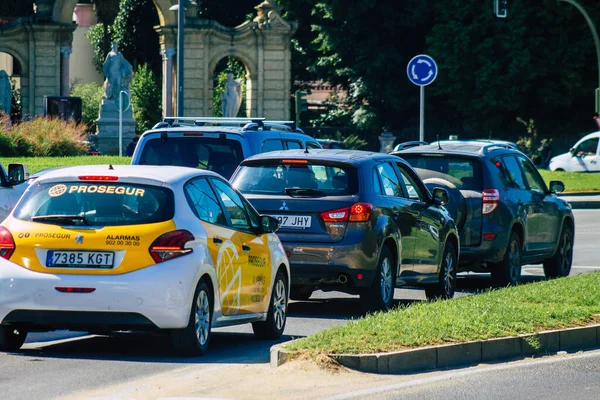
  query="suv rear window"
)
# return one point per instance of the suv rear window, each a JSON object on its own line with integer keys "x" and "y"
{"x": 282, "y": 178}
{"x": 95, "y": 203}
{"x": 214, "y": 154}
{"x": 463, "y": 172}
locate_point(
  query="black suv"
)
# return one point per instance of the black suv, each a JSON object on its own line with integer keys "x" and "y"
{"x": 354, "y": 221}
{"x": 505, "y": 214}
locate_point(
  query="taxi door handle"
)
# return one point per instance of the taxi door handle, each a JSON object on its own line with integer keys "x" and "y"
{"x": 217, "y": 240}
{"x": 246, "y": 248}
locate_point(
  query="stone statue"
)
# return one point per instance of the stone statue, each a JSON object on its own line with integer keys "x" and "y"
{"x": 118, "y": 73}
{"x": 5, "y": 93}
{"x": 232, "y": 98}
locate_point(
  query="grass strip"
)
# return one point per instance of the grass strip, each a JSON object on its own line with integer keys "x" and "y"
{"x": 35, "y": 164}
{"x": 524, "y": 309}
{"x": 574, "y": 181}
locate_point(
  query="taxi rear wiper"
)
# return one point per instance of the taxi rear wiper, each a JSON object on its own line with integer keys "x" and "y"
{"x": 302, "y": 191}
{"x": 60, "y": 217}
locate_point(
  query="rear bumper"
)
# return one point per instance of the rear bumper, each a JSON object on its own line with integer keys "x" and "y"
{"x": 321, "y": 265}
{"x": 156, "y": 297}
{"x": 487, "y": 252}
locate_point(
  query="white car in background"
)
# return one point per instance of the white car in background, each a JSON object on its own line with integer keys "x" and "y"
{"x": 583, "y": 157}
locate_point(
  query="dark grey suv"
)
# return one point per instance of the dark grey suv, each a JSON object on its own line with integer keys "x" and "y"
{"x": 505, "y": 213}
{"x": 354, "y": 221}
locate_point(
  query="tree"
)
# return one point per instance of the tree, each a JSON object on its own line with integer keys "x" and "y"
{"x": 99, "y": 35}
{"x": 91, "y": 96}
{"x": 134, "y": 30}
{"x": 145, "y": 99}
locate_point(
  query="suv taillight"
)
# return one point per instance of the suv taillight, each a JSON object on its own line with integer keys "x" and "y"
{"x": 170, "y": 245}
{"x": 359, "y": 212}
{"x": 489, "y": 201}
{"x": 7, "y": 243}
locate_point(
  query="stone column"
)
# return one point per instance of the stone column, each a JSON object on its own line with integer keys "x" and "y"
{"x": 64, "y": 70}
{"x": 167, "y": 101}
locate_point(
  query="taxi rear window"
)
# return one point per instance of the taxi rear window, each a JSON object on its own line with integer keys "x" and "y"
{"x": 95, "y": 204}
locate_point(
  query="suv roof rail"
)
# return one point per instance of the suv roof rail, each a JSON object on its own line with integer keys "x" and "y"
{"x": 252, "y": 123}
{"x": 495, "y": 146}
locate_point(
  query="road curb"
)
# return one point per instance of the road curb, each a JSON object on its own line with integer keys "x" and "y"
{"x": 584, "y": 205}
{"x": 463, "y": 354}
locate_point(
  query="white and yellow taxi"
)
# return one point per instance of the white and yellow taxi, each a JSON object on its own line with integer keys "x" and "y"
{"x": 102, "y": 248}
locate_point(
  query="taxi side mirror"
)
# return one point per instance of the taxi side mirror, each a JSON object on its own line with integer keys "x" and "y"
{"x": 17, "y": 173}
{"x": 268, "y": 224}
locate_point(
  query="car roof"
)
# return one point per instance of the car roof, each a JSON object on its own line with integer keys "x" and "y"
{"x": 479, "y": 148}
{"x": 345, "y": 156}
{"x": 166, "y": 174}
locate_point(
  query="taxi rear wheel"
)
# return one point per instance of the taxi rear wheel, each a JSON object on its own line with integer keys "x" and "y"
{"x": 194, "y": 338}
{"x": 11, "y": 338}
{"x": 273, "y": 327}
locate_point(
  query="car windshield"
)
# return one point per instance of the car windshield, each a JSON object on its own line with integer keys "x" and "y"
{"x": 297, "y": 179}
{"x": 214, "y": 154}
{"x": 462, "y": 172}
{"x": 96, "y": 204}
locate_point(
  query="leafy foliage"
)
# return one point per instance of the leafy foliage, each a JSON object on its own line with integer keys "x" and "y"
{"x": 91, "y": 96}
{"x": 133, "y": 29}
{"x": 99, "y": 38}
{"x": 42, "y": 136}
{"x": 225, "y": 66}
{"x": 145, "y": 99}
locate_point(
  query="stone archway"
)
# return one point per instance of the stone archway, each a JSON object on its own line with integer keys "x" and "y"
{"x": 263, "y": 45}
{"x": 21, "y": 59}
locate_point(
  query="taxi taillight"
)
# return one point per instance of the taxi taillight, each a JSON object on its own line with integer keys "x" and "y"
{"x": 7, "y": 243}
{"x": 170, "y": 245}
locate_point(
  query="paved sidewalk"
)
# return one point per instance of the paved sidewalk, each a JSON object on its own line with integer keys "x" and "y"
{"x": 582, "y": 200}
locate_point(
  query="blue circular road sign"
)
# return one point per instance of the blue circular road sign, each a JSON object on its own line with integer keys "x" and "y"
{"x": 422, "y": 70}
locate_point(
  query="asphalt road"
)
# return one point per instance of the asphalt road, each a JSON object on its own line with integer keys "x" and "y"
{"x": 55, "y": 364}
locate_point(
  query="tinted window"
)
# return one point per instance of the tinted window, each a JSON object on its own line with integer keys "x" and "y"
{"x": 101, "y": 204}
{"x": 389, "y": 180}
{"x": 272, "y": 145}
{"x": 376, "y": 182}
{"x": 293, "y": 144}
{"x": 533, "y": 177}
{"x": 462, "y": 172}
{"x": 412, "y": 189}
{"x": 587, "y": 148}
{"x": 274, "y": 178}
{"x": 513, "y": 171}
{"x": 233, "y": 204}
{"x": 204, "y": 202}
{"x": 213, "y": 154}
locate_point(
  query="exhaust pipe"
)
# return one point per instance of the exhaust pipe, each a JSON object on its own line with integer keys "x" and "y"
{"x": 343, "y": 279}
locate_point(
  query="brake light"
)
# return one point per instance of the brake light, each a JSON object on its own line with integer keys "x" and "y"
{"x": 339, "y": 215}
{"x": 360, "y": 212}
{"x": 74, "y": 289}
{"x": 489, "y": 201}
{"x": 7, "y": 243}
{"x": 98, "y": 178}
{"x": 170, "y": 245}
{"x": 294, "y": 161}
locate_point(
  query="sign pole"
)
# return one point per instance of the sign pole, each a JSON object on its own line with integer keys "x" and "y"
{"x": 422, "y": 116}
{"x": 121, "y": 123}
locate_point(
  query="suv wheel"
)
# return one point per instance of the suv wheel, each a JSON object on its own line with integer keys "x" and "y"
{"x": 380, "y": 296}
{"x": 273, "y": 327}
{"x": 194, "y": 338}
{"x": 560, "y": 263}
{"x": 508, "y": 271}
{"x": 301, "y": 292}
{"x": 446, "y": 286}
{"x": 11, "y": 338}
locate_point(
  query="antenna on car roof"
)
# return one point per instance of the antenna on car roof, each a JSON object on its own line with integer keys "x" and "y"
{"x": 110, "y": 167}
{"x": 438, "y": 140}
{"x": 306, "y": 150}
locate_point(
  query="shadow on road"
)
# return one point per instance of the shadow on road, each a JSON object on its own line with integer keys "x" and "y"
{"x": 141, "y": 347}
